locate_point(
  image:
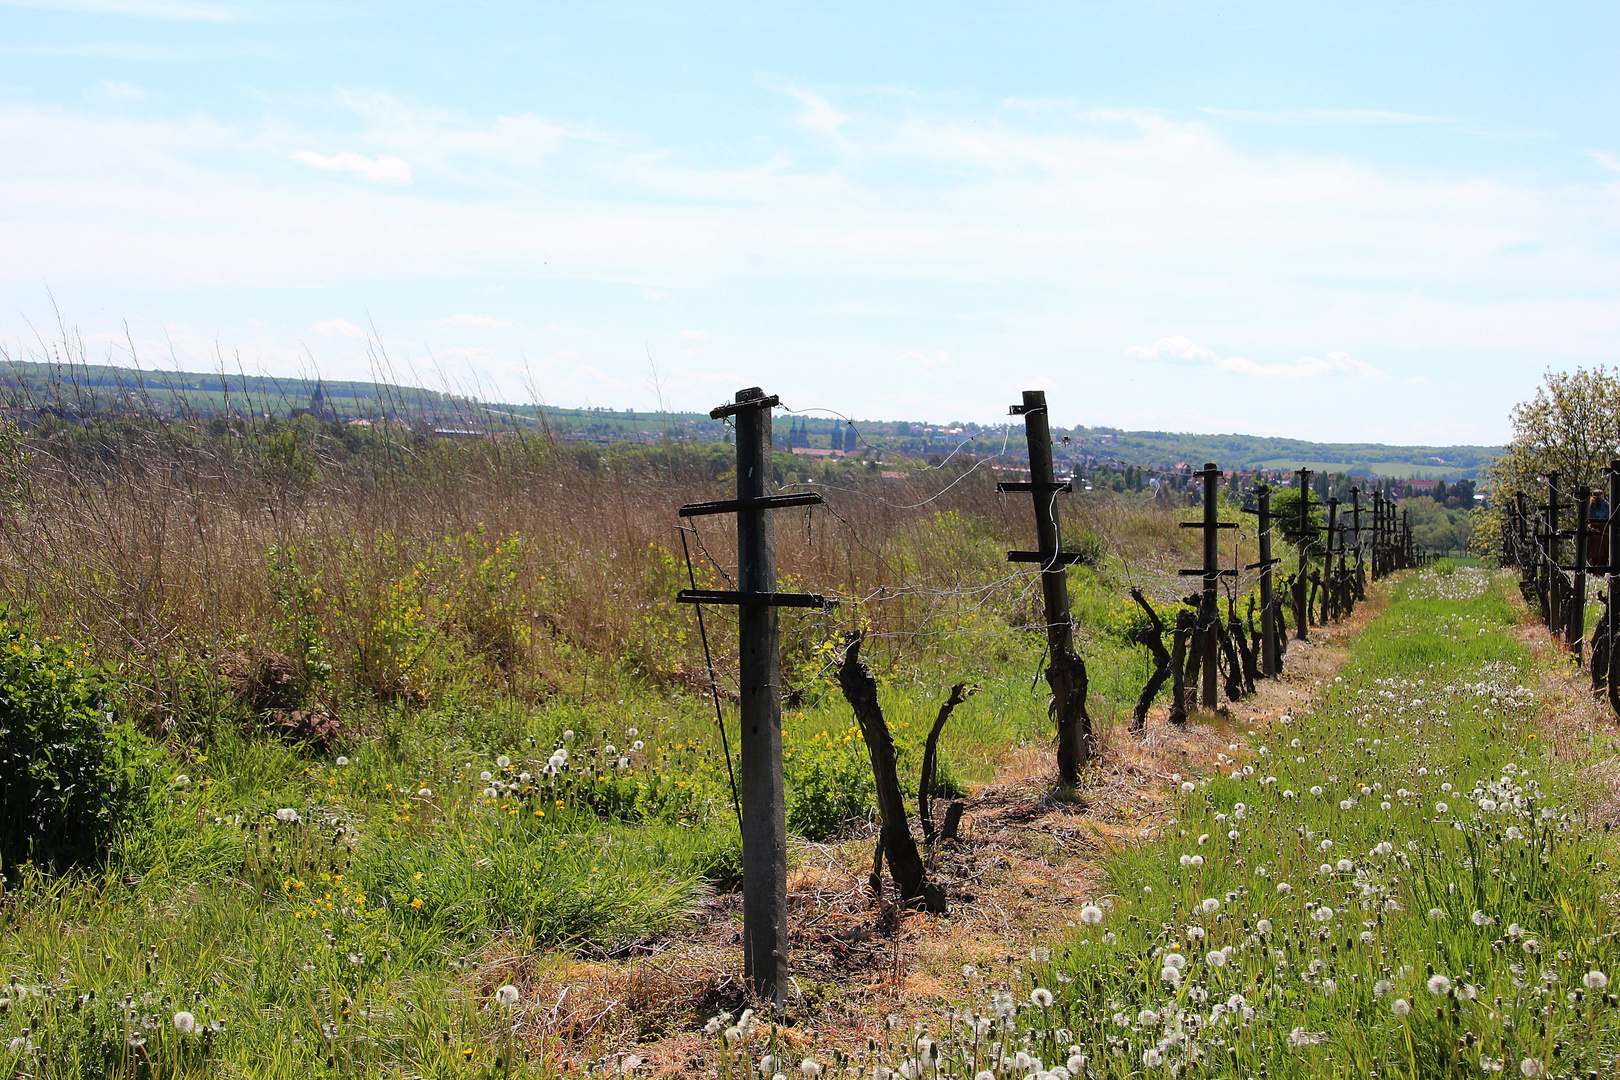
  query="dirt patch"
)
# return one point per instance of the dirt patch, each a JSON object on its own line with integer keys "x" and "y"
{"x": 1024, "y": 864}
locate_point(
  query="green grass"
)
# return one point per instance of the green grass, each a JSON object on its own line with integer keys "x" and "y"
{"x": 348, "y": 942}
{"x": 1468, "y": 928}
{"x": 354, "y": 939}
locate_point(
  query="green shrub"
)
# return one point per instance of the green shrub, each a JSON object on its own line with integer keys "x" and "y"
{"x": 830, "y": 786}
{"x": 63, "y": 791}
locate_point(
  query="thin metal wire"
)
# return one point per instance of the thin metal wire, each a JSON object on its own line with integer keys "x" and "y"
{"x": 714, "y": 683}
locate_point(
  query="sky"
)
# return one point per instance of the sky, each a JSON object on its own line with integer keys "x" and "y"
{"x": 1333, "y": 221}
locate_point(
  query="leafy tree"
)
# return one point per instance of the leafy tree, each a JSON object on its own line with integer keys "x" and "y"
{"x": 1285, "y": 512}
{"x": 1572, "y": 425}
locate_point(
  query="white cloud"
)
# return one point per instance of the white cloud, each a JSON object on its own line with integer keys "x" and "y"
{"x": 115, "y": 93}
{"x": 698, "y": 334}
{"x": 1608, "y": 161}
{"x": 1022, "y": 247}
{"x": 153, "y": 9}
{"x": 338, "y": 328}
{"x": 1315, "y": 117}
{"x": 1173, "y": 348}
{"x": 107, "y": 50}
{"x": 476, "y": 320}
{"x": 1417, "y": 380}
{"x": 819, "y": 114}
{"x": 1188, "y": 351}
{"x": 379, "y": 170}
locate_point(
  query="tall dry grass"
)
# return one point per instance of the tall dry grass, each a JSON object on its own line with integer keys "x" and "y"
{"x": 307, "y": 563}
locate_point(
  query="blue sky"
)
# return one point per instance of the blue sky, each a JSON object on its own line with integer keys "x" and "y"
{"x": 1374, "y": 221}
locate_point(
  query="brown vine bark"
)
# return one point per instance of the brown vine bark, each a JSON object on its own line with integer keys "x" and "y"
{"x": 905, "y": 863}
{"x": 925, "y": 784}
{"x": 1153, "y": 637}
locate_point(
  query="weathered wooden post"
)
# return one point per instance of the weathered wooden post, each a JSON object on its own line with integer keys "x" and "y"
{"x": 762, "y": 792}
{"x": 759, "y": 783}
{"x": 1575, "y": 632}
{"x": 1361, "y": 569}
{"x": 1613, "y": 570}
{"x": 1302, "y": 618}
{"x": 1522, "y": 517}
{"x": 1327, "y": 560}
{"x": 1066, "y": 671}
{"x": 1209, "y": 607}
{"x": 1268, "y": 615}
{"x": 1209, "y": 615}
{"x": 1555, "y": 584}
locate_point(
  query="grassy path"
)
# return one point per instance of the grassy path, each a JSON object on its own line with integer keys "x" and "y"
{"x": 1392, "y": 883}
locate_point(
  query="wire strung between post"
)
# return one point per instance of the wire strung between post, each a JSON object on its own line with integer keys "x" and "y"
{"x": 714, "y": 684}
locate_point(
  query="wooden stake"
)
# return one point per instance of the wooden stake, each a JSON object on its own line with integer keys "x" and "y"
{"x": 1269, "y": 661}
{"x": 1066, "y": 671}
{"x": 759, "y": 781}
{"x": 1209, "y": 615}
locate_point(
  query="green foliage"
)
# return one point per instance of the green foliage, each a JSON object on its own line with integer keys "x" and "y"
{"x": 830, "y": 784}
{"x": 65, "y": 788}
{"x": 297, "y": 596}
{"x": 1285, "y": 513}
{"x": 1436, "y": 528}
